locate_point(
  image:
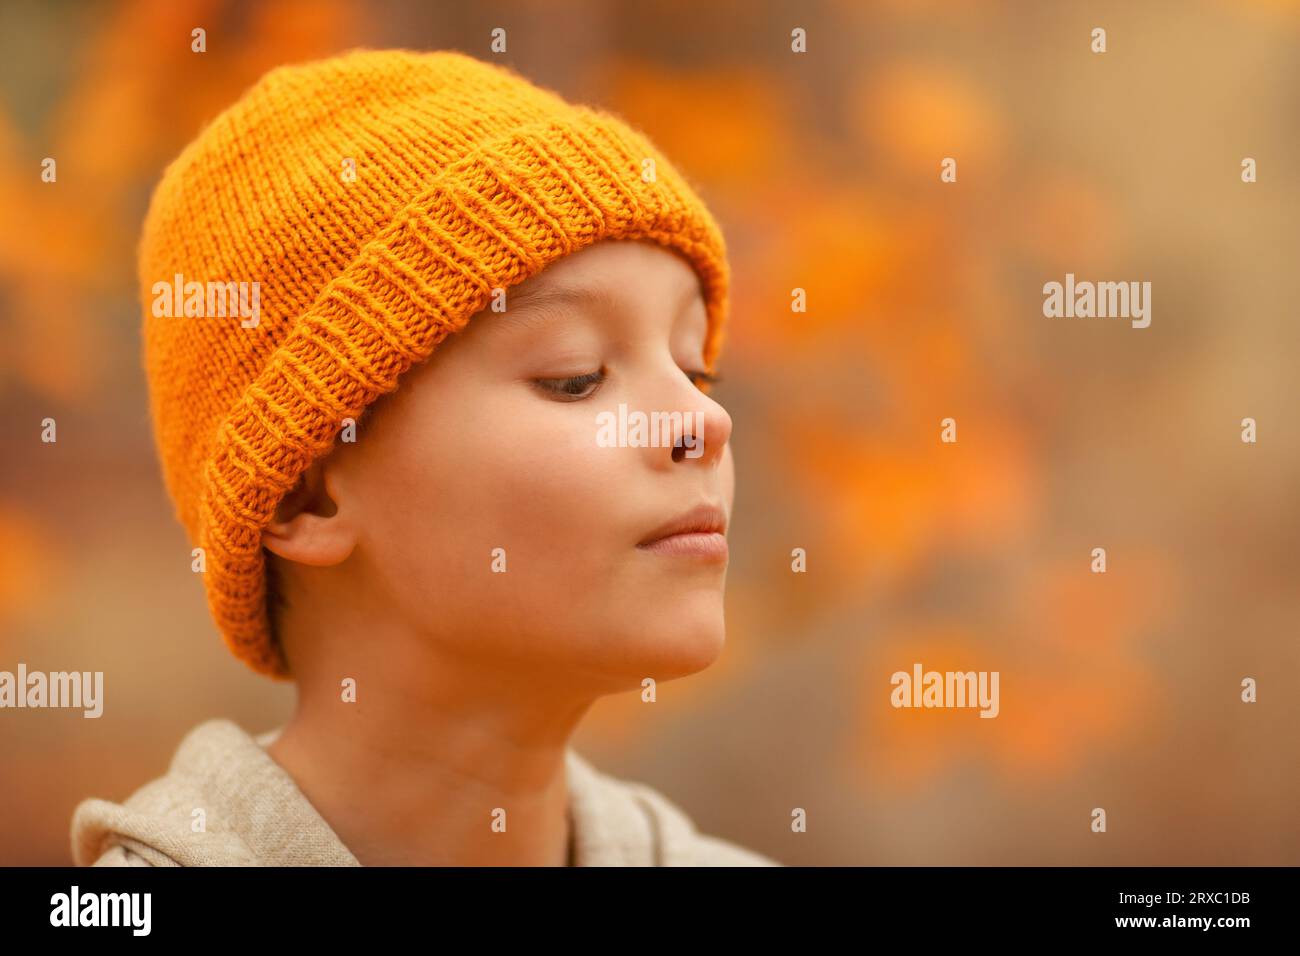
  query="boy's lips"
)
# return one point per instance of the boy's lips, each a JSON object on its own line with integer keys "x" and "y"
{"x": 700, "y": 531}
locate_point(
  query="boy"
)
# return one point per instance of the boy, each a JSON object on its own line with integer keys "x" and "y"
{"x": 455, "y": 273}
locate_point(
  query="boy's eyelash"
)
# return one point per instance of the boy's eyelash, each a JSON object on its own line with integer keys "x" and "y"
{"x": 571, "y": 388}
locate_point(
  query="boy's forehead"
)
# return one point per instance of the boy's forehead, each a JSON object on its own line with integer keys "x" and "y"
{"x": 613, "y": 266}
{"x": 559, "y": 289}
{"x": 586, "y": 294}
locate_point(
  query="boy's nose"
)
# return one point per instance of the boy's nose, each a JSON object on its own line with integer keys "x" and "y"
{"x": 706, "y": 428}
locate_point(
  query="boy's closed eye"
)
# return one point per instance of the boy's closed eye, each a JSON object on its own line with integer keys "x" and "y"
{"x": 574, "y": 388}
{"x": 571, "y": 388}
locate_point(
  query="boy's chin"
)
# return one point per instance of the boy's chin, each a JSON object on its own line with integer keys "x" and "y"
{"x": 679, "y": 648}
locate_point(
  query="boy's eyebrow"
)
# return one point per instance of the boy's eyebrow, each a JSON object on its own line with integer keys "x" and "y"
{"x": 596, "y": 298}
{"x": 544, "y": 300}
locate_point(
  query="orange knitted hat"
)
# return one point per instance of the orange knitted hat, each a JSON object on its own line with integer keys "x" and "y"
{"x": 325, "y": 233}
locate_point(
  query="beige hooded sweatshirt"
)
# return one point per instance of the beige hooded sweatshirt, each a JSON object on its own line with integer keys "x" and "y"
{"x": 257, "y": 816}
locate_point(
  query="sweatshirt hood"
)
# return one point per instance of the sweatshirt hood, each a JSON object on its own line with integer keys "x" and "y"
{"x": 255, "y": 815}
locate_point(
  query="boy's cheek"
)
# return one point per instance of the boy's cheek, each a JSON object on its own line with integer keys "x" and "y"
{"x": 521, "y": 474}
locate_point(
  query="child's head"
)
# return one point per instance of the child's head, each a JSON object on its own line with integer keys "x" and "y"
{"x": 496, "y": 287}
{"x": 493, "y": 444}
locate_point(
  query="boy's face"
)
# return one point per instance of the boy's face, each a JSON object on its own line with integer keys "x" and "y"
{"x": 496, "y": 443}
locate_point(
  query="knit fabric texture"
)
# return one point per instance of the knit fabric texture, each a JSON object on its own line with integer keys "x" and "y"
{"x": 377, "y": 199}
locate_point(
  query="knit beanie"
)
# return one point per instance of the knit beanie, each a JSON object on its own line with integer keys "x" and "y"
{"x": 325, "y": 233}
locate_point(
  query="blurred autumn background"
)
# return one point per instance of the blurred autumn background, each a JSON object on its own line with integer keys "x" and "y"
{"x": 1118, "y": 690}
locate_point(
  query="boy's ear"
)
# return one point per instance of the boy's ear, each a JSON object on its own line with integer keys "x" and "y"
{"x": 307, "y": 527}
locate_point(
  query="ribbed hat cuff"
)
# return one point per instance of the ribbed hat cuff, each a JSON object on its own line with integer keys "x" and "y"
{"x": 498, "y": 222}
